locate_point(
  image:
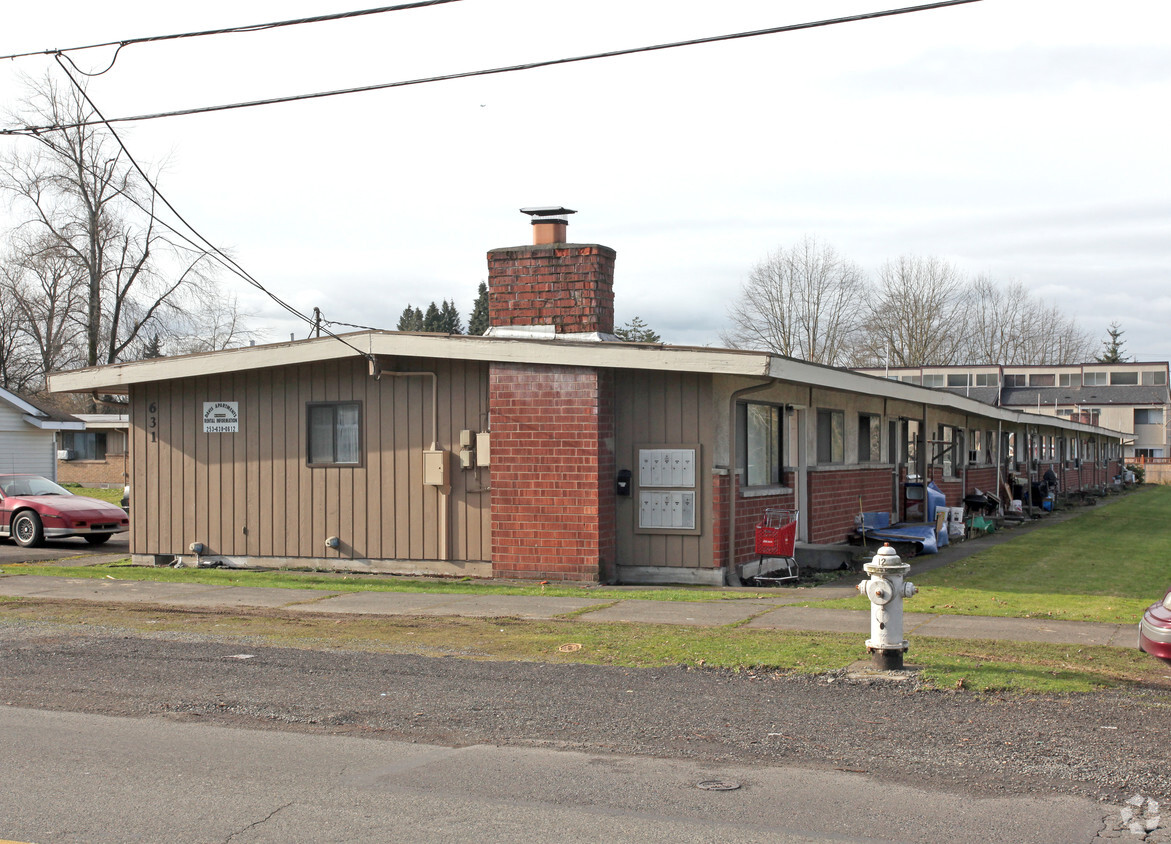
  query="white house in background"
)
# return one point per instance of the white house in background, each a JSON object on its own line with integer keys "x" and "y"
{"x": 97, "y": 456}
{"x": 28, "y": 435}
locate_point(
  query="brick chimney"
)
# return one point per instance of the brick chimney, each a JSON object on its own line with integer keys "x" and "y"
{"x": 552, "y": 518}
{"x": 552, "y": 288}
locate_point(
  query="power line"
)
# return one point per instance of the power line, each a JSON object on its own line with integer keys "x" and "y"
{"x": 256, "y": 27}
{"x": 32, "y": 130}
{"x": 224, "y": 259}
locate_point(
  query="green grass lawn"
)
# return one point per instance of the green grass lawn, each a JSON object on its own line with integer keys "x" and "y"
{"x": 978, "y": 665}
{"x": 1108, "y": 564}
{"x": 113, "y": 495}
{"x": 368, "y": 582}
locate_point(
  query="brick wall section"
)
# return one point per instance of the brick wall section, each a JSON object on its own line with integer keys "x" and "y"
{"x": 569, "y": 286}
{"x": 553, "y": 505}
{"x": 109, "y": 471}
{"x": 749, "y": 513}
{"x": 834, "y": 501}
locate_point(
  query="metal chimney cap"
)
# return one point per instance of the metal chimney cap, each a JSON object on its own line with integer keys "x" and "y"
{"x": 547, "y": 211}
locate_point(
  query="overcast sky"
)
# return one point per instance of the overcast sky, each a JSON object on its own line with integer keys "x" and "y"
{"x": 1025, "y": 139}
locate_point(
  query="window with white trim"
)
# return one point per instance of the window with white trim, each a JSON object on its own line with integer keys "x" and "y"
{"x": 831, "y": 436}
{"x": 869, "y": 438}
{"x": 334, "y": 434}
{"x": 759, "y": 443}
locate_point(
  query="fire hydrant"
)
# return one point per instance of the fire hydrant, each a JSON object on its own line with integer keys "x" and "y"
{"x": 886, "y": 590}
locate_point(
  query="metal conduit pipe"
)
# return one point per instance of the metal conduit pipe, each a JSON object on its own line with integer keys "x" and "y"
{"x": 731, "y": 575}
{"x": 444, "y": 501}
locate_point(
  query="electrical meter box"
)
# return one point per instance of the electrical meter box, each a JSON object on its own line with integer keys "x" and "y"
{"x": 483, "y": 449}
{"x": 436, "y": 467}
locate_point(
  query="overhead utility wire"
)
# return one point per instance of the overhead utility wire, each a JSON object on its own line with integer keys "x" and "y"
{"x": 32, "y": 130}
{"x": 229, "y": 30}
{"x": 229, "y": 262}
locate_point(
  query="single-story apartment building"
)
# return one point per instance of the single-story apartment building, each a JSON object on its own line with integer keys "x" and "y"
{"x": 547, "y": 449}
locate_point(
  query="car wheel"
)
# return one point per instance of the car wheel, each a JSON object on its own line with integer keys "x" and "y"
{"x": 27, "y": 530}
{"x": 97, "y": 538}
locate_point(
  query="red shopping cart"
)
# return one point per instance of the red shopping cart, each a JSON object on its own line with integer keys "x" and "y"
{"x": 776, "y": 538}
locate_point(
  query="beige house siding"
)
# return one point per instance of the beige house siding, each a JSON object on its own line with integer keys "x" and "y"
{"x": 662, "y": 409}
{"x": 252, "y": 493}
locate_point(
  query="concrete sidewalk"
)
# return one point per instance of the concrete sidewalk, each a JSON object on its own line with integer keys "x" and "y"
{"x": 755, "y": 611}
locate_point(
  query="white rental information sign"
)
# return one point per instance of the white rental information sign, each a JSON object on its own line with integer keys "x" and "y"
{"x": 221, "y": 417}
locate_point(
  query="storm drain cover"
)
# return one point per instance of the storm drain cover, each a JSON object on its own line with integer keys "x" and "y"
{"x": 718, "y": 785}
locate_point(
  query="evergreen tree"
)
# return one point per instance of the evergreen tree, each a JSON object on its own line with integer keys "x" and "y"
{"x": 449, "y": 319}
{"x": 153, "y": 348}
{"x": 637, "y": 331}
{"x": 411, "y": 319}
{"x": 478, "y": 321}
{"x": 1112, "y": 348}
{"x": 431, "y": 320}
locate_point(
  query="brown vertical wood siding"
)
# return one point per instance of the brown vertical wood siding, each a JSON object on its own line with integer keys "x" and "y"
{"x": 252, "y": 494}
{"x": 664, "y": 407}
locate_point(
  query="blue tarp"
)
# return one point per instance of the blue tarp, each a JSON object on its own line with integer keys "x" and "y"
{"x": 877, "y": 526}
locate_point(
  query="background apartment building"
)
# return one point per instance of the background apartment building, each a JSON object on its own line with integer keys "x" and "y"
{"x": 1130, "y": 397}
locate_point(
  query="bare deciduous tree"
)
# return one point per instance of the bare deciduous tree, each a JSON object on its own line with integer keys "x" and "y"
{"x": 47, "y": 295}
{"x": 89, "y": 222}
{"x": 802, "y": 302}
{"x": 916, "y": 313}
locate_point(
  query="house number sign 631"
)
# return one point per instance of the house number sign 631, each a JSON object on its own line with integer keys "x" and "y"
{"x": 152, "y": 421}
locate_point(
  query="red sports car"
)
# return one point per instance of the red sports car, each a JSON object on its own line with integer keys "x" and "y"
{"x": 1154, "y": 631}
{"x": 33, "y": 509}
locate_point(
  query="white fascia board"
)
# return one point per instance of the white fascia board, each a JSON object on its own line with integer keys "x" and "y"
{"x": 20, "y": 404}
{"x": 858, "y": 382}
{"x": 117, "y": 378}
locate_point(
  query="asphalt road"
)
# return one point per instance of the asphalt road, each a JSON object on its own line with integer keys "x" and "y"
{"x": 109, "y": 735}
{"x": 87, "y": 778}
{"x": 60, "y": 549}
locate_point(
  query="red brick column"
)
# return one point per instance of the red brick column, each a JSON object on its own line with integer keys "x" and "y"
{"x": 553, "y": 500}
{"x": 569, "y": 286}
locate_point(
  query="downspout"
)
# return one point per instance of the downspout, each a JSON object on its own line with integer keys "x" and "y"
{"x": 444, "y": 491}
{"x": 731, "y": 575}
{"x": 999, "y": 462}
{"x": 965, "y": 454}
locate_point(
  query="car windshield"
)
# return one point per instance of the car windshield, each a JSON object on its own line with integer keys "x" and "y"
{"x": 31, "y": 485}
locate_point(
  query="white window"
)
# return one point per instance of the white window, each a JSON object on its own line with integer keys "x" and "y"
{"x": 1041, "y": 380}
{"x": 933, "y": 380}
{"x": 1158, "y": 378}
{"x": 1094, "y": 379}
{"x": 1123, "y": 379}
{"x": 1148, "y": 416}
{"x": 986, "y": 379}
{"x": 334, "y": 433}
{"x": 831, "y": 436}
{"x": 1069, "y": 379}
{"x": 759, "y": 443}
{"x": 1014, "y": 380}
{"x": 958, "y": 380}
{"x": 869, "y": 438}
